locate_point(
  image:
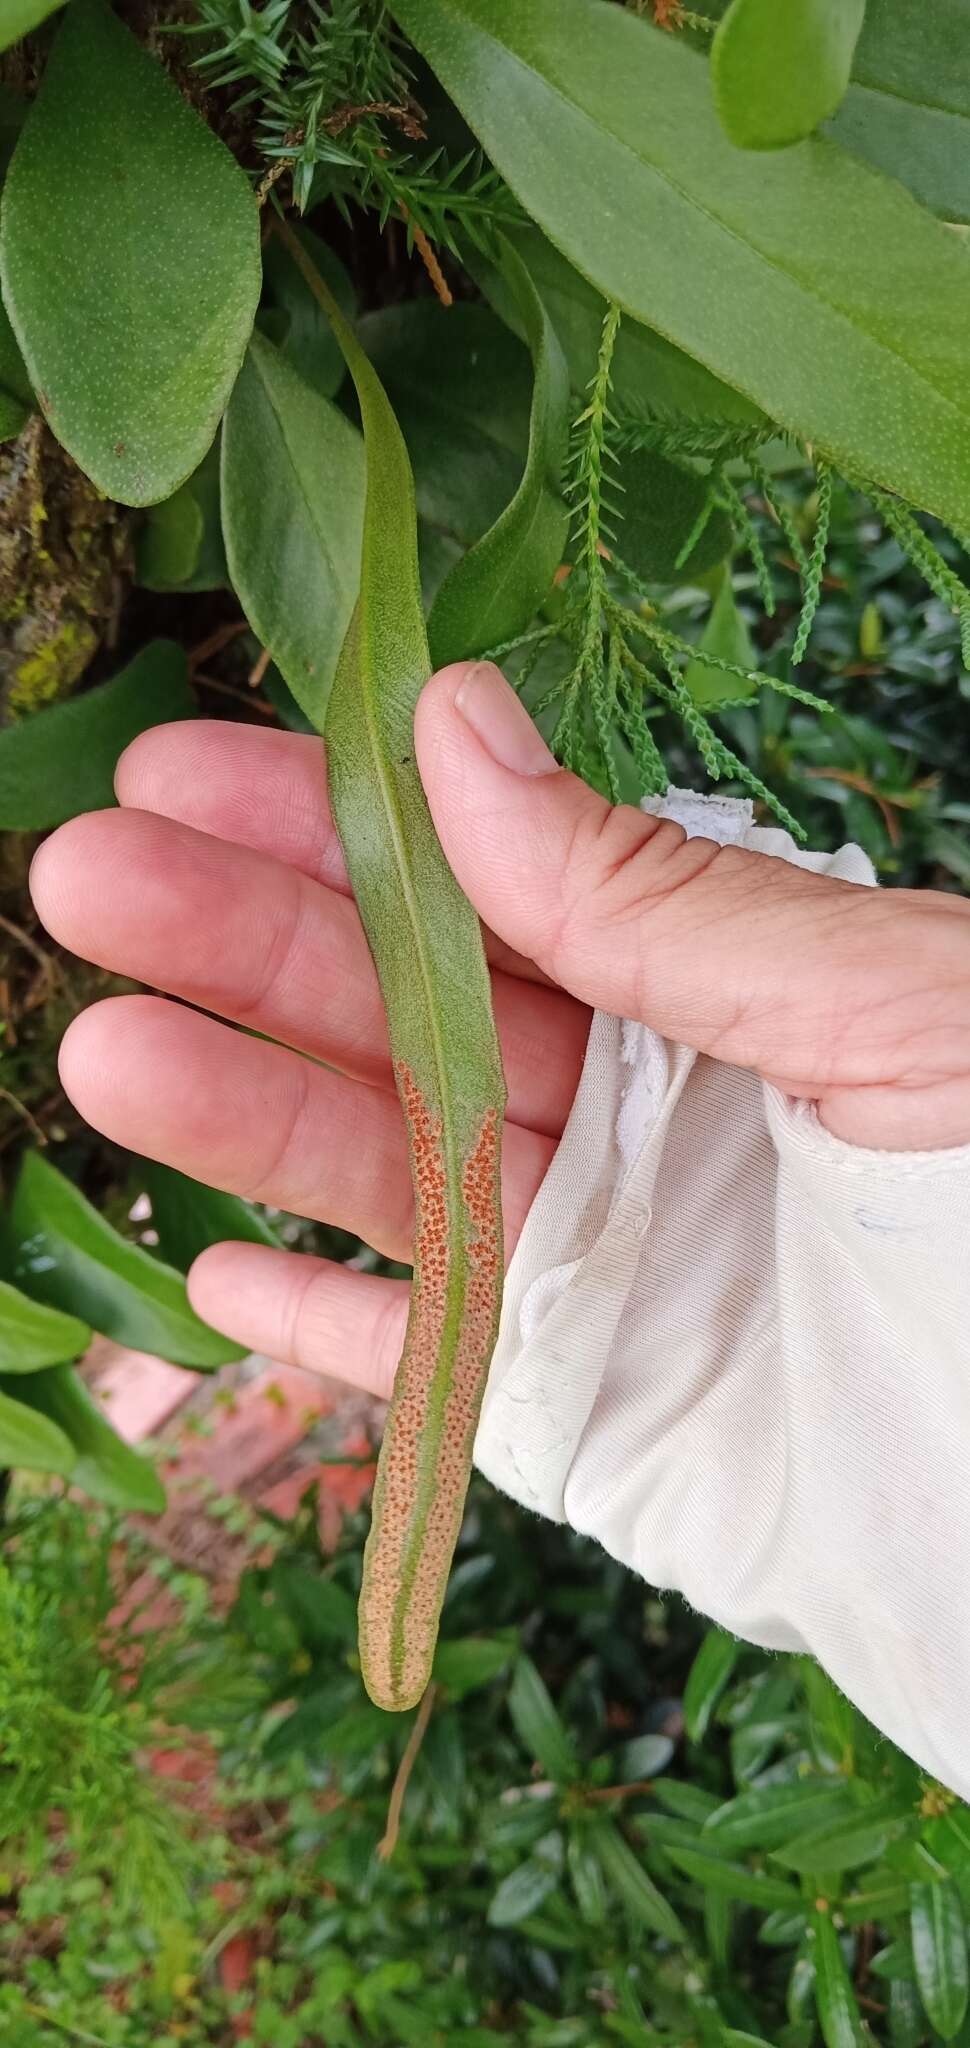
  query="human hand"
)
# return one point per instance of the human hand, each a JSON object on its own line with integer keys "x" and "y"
{"x": 220, "y": 881}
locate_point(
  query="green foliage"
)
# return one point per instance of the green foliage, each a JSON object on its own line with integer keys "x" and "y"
{"x": 129, "y": 257}
{"x": 561, "y": 1864}
{"x": 293, "y": 508}
{"x": 612, "y": 1831}
{"x": 572, "y": 99}
{"x": 58, "y": 1249}
{"x": 430, "y": 958}
{"x": 779, "y": 71}
{"x": 55, "y": 766}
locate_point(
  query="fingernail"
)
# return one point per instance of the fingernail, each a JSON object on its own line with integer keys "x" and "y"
{"x": 490, "y": 706}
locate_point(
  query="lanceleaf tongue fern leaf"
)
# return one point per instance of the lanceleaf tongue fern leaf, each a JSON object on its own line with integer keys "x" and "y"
{"x": 427, "y": 946}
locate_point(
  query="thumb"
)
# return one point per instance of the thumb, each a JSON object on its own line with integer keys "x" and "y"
{"x": 722, "y": 948}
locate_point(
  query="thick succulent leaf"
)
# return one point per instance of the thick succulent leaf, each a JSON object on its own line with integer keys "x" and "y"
{"x": 130, "y": 259}
{"x": 461, "y": 387}
{"x": 907, "y": 109}
{"x": 780, "y": 70}
{"x": 292, "y": 515}
{"x": 428, "y": 950}
{"x": 60, "y": 1251}
{"x": 32, "y": 1336}
{"x": 539, "y": 1726}
{"x": 304, "y": 334}
{"x": 108, "y": 1469}
{"x": 20, "y": 16}
{"x": 940, "y": 1955}
{"x": 188, "y": 1216}
{"x": 16, "y": 397}
{"x": 648, "y": 374}
{"x": 493, "y": 592}
{"x": 62, "y": 760}
{"x": 29, "y": 1441}
{"x": 838, "y": 2013}
{"x": 811, "y": 284}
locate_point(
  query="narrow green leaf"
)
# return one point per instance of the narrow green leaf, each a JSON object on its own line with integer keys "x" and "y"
{"x": 427, "y": 946}
{"x": 20, "y": 16}
{"x": 108, "y": 1469}
{"x": 894, "y": 1961}
{"x": 32, "y": 1336}
{"x": 292, "y": 509}
{"x": 780, "y": 70}
{"x": 62, "y": 760}
{"x": 755, "y": 1887}
{"x": 63, "y": 1253}
{"x": 907, "y": 109}
{"x": 461, "y": 387}
{"x": 586, "y": 1877}
{"x": 733, "y": 2038}
{"x": 632, "y": 1885}
{"x": 940, "y": 1954}
{"x": 496, "y": 588}
{"x": 863, "y": 302}
{"x": 707, "y": 1678}
{"x": 29, "y": 1442}
{"x": 129, "y": 252}
{"x": 521, "y": 1893}
{"x": 189, "y": 1216}
{"x": 861, "y": 1837}
{"x": 765, "y": 1817}
{"x": 838, "y": 2014}
{"x": 538, "y": 1725}
{"x": 306, "y": 338}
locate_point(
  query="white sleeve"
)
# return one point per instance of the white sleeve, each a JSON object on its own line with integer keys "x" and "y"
{"x": 737, "y": 1351}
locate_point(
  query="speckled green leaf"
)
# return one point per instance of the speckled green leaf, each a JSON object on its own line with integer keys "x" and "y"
{"x": 59, "y": 1250}
{"x": 818, "y": 289}
{"x": 105, "y": 1467}
{"x": 648, "y": 373}
{"x": 780, "y": 69}
{"x": 292, "y": 518}
{"x": 62, "y": 760}
{"x": 498, "y": 586}
{"x": 427, "y": 947}
{"x": 32, "y": 1336}
{"x": 18, "y": 17}
{"x": 129, "y": 252}
{"x": 940, "y": 1954}
{"x": 30, "y": 1442}
{"x": 907, "y": 109}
